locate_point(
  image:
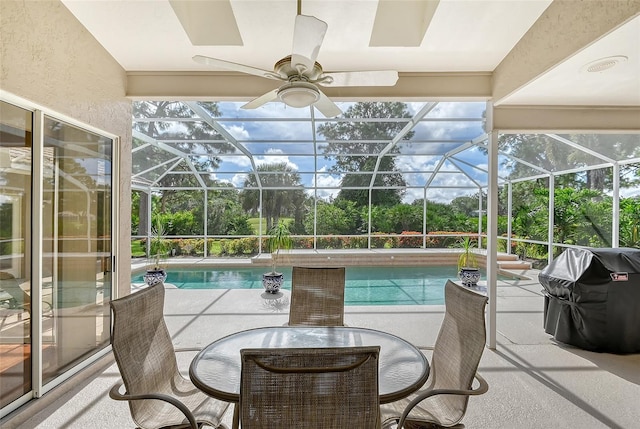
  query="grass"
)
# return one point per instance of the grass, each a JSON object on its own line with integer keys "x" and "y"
{"x": 137, "y": 249}
{"x": 254, "y": 222}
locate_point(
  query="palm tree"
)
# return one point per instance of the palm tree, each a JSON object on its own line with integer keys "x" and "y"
{"x": 275, "y": 202}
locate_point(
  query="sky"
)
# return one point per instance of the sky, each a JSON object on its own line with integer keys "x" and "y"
{"x": 276, "y": 133}
{"x": 297, "y": 153}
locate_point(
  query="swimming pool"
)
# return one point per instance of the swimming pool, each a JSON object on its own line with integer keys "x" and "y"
{"x": 364, "y": 285}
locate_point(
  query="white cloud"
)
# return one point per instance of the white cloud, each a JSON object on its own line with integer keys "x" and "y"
{"x": 458, "y": 110}
{"x": 442, "y": 195}
{"x": 412, "y": 194}
{"x": 282, "y": 158}
{"x": 241, "y": 161}
{"x": 439, "y": 195}
{"x": 238, "y": 180}
{"x": 325, "y": 194}
{"x": 326, "y": 181}
{"x": 220, "y": 180}
{"x": 411, "y": 164}
{"x": 238, "y": 132}
{"x": 275, "y": 129}
{"x": 630, "y": 192}
{"x": 436, "y": 130}
{"x": 416, "y": 163}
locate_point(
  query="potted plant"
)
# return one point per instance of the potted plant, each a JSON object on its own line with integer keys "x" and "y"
{"x": 279, "y": 239}
{"x": 468, "y": 271}
{"x": 159, "y": 248}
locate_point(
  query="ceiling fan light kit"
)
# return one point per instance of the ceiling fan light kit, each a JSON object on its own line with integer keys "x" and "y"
{"x": 298, "y": 94}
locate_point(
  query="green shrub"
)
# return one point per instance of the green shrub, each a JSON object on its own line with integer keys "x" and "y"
{"x": 248, "y": 245}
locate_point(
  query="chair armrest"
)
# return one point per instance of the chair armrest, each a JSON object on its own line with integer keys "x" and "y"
{"x": 188, "y": 349}
{"x": 430, "y": 348}
{"x": 114, "y": 393}
{"x": 482, "y": 388}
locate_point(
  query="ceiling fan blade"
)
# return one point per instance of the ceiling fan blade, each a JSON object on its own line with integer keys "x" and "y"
{"x": 307, "y": 38}
{"x": 327, "y": 107}
{"x": 360, "y": 78}
{"x": 263, "y": 99}
{"x": 214, "y": 62}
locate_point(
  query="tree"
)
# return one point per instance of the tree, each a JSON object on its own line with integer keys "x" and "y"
{"x": 440, "y": 217}
{"x": 610, "y": 145}
{"x": 552, "y": 155}
{"x": 467, "y": 205}
{"x": 276, "y": 201}
{"x": 181, "y": 132}
{"x": 334, "y": 219}
{"x": 537, "y": 149}
{"x": 406, "y": 217}
{"x": 301, "y": 205}
{"x": 353, "y": 141}
{"x": 630, "y": 222}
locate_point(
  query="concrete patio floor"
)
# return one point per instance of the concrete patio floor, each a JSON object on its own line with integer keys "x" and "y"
{"x": 534, "y": 381}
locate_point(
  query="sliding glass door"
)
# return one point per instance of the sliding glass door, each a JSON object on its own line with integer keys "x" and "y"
{"x": 56, "y": 249}
{"x": 76, "y": 246}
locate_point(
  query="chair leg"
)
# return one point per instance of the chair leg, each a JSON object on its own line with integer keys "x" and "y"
{"x": 419, "y": 425}
{"x": 422, "y": 425}
{"x": 236, "y": 416}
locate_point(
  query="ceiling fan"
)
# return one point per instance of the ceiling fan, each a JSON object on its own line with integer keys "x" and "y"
{"x": 301, "y": 73}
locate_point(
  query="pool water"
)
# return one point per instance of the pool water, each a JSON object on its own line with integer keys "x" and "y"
{"x": 364, "y": 285}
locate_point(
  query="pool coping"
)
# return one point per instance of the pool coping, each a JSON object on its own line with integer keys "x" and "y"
{"x": 508, "y": 264}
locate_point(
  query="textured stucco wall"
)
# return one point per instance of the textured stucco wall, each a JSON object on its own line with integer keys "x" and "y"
{"x": 565, "y": 27}
{"x": 49, "y": 58}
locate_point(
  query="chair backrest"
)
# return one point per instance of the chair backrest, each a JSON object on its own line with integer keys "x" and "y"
{"x": 142, "y": 345}
{"x": 309, "y": 388}
{"x": 459, "y": 346}
{"x": 317, "y": 296}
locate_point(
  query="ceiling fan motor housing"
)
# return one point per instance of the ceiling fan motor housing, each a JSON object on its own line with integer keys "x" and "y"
{"x": 287, "y": 70}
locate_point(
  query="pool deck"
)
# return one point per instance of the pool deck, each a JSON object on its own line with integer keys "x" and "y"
{"x": 534, "y": 381}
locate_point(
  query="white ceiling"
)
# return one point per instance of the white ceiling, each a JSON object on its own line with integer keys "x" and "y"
{"x": 462, "y": 36}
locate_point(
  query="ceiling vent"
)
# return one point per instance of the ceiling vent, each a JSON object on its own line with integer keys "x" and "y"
{"x": 603, "y": 64}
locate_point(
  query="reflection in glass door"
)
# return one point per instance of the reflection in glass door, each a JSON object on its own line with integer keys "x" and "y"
{"x": 15, "y": 274}
{"x": 76, "y": 269}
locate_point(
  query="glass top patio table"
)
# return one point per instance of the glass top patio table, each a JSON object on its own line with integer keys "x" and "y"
{"x": 402, "y": 368}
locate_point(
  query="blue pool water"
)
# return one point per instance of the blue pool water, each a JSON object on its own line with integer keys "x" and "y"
{"x": 364, "y": 285}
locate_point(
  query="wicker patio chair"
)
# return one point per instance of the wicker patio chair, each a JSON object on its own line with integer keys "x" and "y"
{"x": 158, "y": 395}
{"x": 306, "y": 388}
{"x": 456, "y": 356}
{"x": 317, "y": 296}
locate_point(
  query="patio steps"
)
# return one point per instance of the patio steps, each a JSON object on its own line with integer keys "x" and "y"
{"x": 512, "y": 262}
